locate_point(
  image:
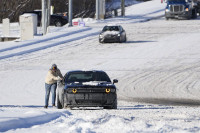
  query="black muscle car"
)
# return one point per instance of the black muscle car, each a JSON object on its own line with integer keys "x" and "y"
{"x": 86, "y": 89}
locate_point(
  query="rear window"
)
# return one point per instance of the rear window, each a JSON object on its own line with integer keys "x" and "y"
{"x": 86, "y": 77}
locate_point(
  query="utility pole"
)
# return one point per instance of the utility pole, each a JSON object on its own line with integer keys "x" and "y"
{"x": 46, "y": 7}
{"x": 123, "y": 8}
{"x": 97, "y": 9}
{"x": 48, "y": 12}
{"x": 102, "y": 9}
{"x": 70, "y": 12}
{"x": 44, "y": 16}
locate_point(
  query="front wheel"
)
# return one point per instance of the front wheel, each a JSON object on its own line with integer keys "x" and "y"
{"x": 113, "y": 106}
{"x": 100, "y": 41}
{"x": 194, "y": 13}
{"x": 120, "y": 40}
{"x": 125, "y": 39}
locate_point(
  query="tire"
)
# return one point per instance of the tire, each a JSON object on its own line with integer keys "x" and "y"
{"x": 114, "y": 106}
{"x": 120, "y": 41}
{"x": 194, "y": 14}
{"x": 57, "y": 23}
{"x": 100, "y": 41}
{"x": 125, "y": 39}
{"x": 59, "y": 105}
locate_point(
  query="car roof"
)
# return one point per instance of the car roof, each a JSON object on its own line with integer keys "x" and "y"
{"x": 112, "y": 25}
{"x": 85, "y": 71}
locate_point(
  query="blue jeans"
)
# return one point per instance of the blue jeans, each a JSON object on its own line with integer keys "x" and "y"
{"x": 52, "y": 88}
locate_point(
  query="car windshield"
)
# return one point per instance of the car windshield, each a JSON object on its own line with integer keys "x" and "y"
{"x": 86, "y": 76}
{"x": 111, "y": 28}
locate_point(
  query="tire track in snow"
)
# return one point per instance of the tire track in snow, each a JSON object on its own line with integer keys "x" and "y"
{"x": 41, "y": 55}
{"x": 44, "y": 40}
{"x": 178, "y": 82}
{"x": 31, "y": 50}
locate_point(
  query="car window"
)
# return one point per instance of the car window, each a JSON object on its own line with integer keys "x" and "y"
{"x": 106, "y": 28}
{"x": 86, "y": 77}
{"x": 120, "y": 28}
{"x": 111, "y": 28}
{"x": 100, "y": 76}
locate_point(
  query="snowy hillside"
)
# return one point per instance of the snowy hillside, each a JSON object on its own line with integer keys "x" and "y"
{"x": 158, "y": 70}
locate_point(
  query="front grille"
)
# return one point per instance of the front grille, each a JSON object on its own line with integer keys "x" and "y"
{"x": 176, "y": 8}
{"x": 110, "y": 36}
{"x": 90, "y": 102}
{"x": 91, "y": 90}
{"x": 88, "y": 90}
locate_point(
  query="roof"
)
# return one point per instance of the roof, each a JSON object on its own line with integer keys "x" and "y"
{"x": 28, "y": 14}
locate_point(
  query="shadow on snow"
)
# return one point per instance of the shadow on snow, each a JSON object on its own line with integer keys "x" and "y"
{"x": 167, "y": 101}
{"x": 26, "y": 121}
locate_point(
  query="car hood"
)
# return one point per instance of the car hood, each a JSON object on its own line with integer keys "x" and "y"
{"x": 96, "y": 83}
{"x": 110, "y": 33}
{"x": 90, "y": 84}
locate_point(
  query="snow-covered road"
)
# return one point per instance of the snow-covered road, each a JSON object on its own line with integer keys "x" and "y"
{"x": 158, "y": 71}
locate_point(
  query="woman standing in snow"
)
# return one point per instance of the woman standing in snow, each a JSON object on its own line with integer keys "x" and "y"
{"x": 53, "y": 75}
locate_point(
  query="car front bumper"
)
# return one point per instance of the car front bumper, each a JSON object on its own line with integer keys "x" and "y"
{"x": 110, "y": 38}
{"x": 184, "y": 14}
{"x": 89, "y": 99}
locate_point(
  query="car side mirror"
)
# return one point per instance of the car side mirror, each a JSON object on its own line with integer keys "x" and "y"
{"x": 115, "y": 81}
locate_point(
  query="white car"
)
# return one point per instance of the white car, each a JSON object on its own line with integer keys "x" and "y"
{"x": 113, "y": 33}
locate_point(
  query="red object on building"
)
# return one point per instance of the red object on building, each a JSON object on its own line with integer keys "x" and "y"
{"x": 75, "y": 23}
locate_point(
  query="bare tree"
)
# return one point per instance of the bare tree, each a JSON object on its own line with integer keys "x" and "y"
{"x": 12, "y": 9}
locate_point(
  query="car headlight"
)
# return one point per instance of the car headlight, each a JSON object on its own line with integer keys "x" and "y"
{"x": 108, "y": 90}
{"x": 118, "y": 34}
{"x": 100, "y": 36}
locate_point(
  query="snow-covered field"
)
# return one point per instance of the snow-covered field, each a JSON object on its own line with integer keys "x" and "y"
{"x": 158, "y": 69}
